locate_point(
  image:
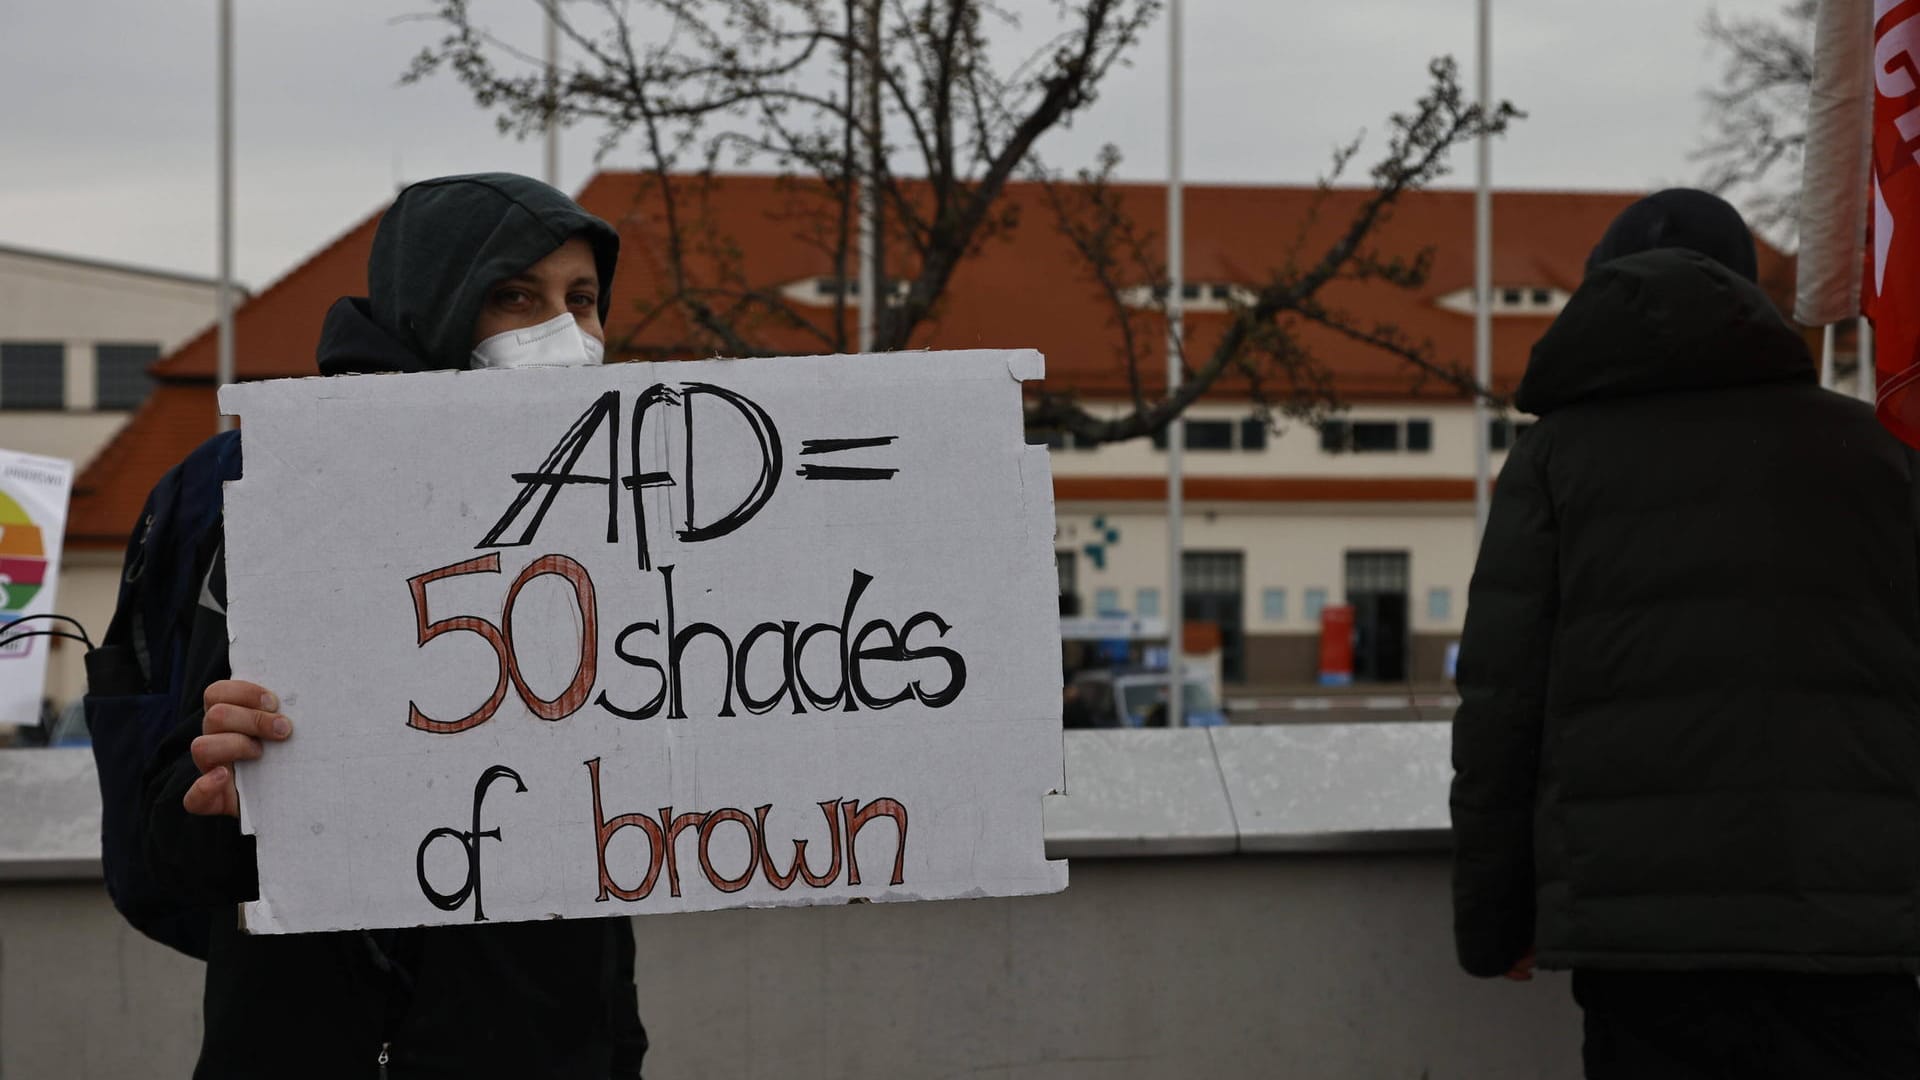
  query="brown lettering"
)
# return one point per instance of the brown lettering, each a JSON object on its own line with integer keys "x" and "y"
{"x": 713, "y": 821}
{"x": 856, "y": 819}
{"x": 690, "y": 820}
{"x": 603, "y": 831}
{"x": 799, "y": 868}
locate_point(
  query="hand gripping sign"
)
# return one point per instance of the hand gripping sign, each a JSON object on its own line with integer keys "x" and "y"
{"x": 644, "y": 638}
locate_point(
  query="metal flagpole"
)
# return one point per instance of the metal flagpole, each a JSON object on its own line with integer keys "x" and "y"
{"x": 1868, "y": 380}
{"x": 1483, "y": 287}
{"x": 1175, "y": 607}
{"x": 552, "y": 170}
{"x": 224, "y": 371}
{"x": 868, "y": 110}
{"x": 1826, "y": 355}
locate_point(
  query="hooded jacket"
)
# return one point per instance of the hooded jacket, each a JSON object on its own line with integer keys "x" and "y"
{"x": 536, "y": 999}
{"x": 438, "y": 249}
{"x": 1689, "y": 731}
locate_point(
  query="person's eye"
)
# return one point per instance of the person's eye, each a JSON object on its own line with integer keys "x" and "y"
{"x": 508, "y": 298}
{"x": 582, "y": 299}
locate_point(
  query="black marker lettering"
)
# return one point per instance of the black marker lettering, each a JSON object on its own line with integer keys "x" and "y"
{"x": 469, "y": 840}
{"x": 677, "y": 641}
{"x": 956, "y": 666}
{"x": 758, "y": 706}
{"x": 638, "y": 482}
{"x": 557, "y": 472}
{"x": 769, "y": 439}
{"x": 891, "y": 652}
{"x": 652, "y": 708}
{"x": 842, "y": 472}
{"x": 835, "y": 446}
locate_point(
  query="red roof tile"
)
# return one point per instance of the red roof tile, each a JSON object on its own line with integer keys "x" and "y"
{"x": 1023, "y": 289}
{"x": 107, "y": 496}
{"x": 1028, "y": 289}
{"x": 275, "y": 333}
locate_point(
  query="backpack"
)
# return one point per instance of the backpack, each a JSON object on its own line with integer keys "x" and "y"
{"x": 134, "y": 679}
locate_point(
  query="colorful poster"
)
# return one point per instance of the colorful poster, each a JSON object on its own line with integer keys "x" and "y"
{"x": 33, "y": 519}
{"x": 646, "y": 638}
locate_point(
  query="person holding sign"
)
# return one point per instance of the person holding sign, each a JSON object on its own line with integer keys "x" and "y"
{"x": 483, "y": 271}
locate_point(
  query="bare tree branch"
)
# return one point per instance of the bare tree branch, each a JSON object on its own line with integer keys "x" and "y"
{"x": 1757, "y": 115}
{"x": 1257, "y": 341}
{"x": 693, "y": 83}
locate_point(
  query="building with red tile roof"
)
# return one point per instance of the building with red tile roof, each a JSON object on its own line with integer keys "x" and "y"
{"x": 1274, "y": 515}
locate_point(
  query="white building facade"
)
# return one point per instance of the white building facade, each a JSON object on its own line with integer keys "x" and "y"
{"x": 1374, "y": 511}
{"x": 77, "y": 337}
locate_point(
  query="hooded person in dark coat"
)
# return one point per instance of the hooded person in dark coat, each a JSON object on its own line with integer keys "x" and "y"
{"x": 1687, "y": 755}
{"x": 484, "y": 270}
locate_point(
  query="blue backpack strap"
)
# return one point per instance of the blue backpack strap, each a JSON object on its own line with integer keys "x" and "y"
{"x": 187, "y": 532}
{"x": 134, "y": 678}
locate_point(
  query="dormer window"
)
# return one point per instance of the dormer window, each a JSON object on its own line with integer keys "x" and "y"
{"x": 1511, "y": 300}
{"x": 821, "y": 291}
{"x": 1195, "y": 296}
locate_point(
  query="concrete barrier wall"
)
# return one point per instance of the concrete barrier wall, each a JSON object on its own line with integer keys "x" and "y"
{"x": 1287, "y": 954}
{"x": 1331, "y": 966}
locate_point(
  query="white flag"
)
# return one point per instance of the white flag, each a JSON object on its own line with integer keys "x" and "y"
{"x": 1833, "y": 185}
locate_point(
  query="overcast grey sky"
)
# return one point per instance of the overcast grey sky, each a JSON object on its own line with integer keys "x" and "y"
{"x": 107, "y": 137}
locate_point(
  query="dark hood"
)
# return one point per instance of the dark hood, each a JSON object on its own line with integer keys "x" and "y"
{"x": 1669, "y": 319}
{"x": 438, "y": 249}
{"x": 1681, "y": 218}
{"x": 351, "y": 343}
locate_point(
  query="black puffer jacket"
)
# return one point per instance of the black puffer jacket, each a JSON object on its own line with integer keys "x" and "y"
{"x": 551, "y": 1000}
{"x": 1689, "y": 735}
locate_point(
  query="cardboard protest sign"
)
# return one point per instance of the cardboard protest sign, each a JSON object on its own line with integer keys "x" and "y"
{"x": 645, "y": 638}
{"x": 33, "y": 520}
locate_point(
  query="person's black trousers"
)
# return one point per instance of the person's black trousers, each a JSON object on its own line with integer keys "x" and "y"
{"x": 1749, "y": 1026}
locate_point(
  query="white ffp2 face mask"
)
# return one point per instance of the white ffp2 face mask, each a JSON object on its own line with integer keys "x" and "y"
{"x": 558, "y": 342}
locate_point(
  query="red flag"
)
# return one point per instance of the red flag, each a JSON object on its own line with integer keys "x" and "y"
{"x": 1892, "y": 281}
